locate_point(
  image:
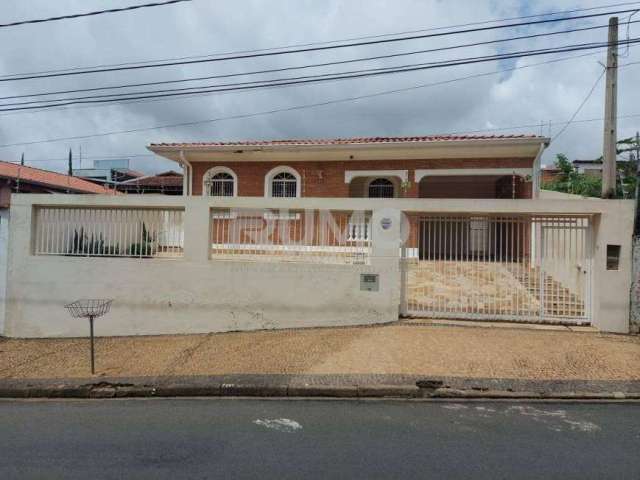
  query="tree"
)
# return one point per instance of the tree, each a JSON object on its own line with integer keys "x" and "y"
{"x": 570, "y": 181}
{"x": 628, "y": 168}
{"x": 70, "y": 163}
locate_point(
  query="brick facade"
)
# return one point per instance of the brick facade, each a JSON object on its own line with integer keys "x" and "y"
{"x": 327, "y": 178}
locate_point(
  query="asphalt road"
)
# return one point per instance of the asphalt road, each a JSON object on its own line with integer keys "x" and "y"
{"x": 226, "y": 438}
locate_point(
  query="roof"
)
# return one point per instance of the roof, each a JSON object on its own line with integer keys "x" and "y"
{"x": 588, "y": 162}
{"x": 129, "y": 172}
{"x": 48, "y": 178}
{"x": 349, "y": 141}
{"x": 164, "y": 179}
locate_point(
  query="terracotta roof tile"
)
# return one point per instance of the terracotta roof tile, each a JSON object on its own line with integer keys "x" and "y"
{"x": 51, "y": 179}
{"x": 347, "y": 141}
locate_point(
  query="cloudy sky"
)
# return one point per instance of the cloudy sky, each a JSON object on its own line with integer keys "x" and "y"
{"x": 507, "y": 99}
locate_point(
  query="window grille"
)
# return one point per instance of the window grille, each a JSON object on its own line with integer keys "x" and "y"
{"x": 381, "y": 188}
{"x": 284, "y": 184}
{"x": 221, "y": 185}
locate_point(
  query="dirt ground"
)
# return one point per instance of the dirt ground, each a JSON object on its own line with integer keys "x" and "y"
{"x": 407, "y": 348}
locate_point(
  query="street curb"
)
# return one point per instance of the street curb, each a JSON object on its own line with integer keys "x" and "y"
{"x": 106, "y": 390}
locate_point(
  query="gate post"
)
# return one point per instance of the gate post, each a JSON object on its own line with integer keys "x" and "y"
{"x": 386, "y": 228}
{"x": 197, "y": 219}
{"x": 634, "y": 320}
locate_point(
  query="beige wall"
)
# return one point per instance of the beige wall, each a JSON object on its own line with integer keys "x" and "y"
{"x": 4, "y": 237}
{"x": 195, "y": 294}
{"x": 186, "y": 295}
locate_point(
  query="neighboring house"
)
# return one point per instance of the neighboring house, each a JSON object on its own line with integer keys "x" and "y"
{"x": 549, "y": 174}
{"x": 16, "y": 178}
{"x": 108, "y": 172}
{"x": 21, "y": 179}
{"x": 166, "y": 183}
{"x": 588, "y": 167}
{"x": 469, "y": 166}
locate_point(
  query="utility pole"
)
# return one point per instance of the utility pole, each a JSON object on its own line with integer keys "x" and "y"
{"x": 70, "y": 166}
{"x": 636, "y": 224}
{"x": 610, "y": 114}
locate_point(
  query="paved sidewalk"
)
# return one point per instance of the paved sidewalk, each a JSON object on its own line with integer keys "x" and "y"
{"x": 406, "y": 348}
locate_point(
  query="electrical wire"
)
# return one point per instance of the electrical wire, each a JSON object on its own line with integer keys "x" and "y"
{"x": 302, "y": 80}
{"x": 286, "y": 109}
{"x": 327, "y": 42}
{"x": 307, "y": 66}
{"x": 268, "y": 88}
{"x": 439, "y": 134}
{"x": 313, "y": 49}
{"x": 90, "y": 14}
{"x": 582, "y": 104}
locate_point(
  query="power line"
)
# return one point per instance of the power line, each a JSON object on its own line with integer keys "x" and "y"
{"x": 327, "y": 42}
{"x": 307, "y": 66}
{"x": 300, "y": 80}
{"x": 314, "y": 49}
{"x": 90, "y": 14}
{"x": 153, "y": 100}
{"x": 582, "y": 104}
{"x": 289, "y": 109}
{"x": 458, "y": 132}
{"x": 84, "y": 157}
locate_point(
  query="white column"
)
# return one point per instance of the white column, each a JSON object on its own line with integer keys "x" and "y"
{"x": 4, "y": 247}
{"x": 386, "y": 242}
{"x": 196, "y": 229}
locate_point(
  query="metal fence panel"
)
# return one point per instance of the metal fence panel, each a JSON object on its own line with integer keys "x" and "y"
{"x": 316, "y": 236}
{"x": 109, "y": 232}
{"x": 510, "y": 267}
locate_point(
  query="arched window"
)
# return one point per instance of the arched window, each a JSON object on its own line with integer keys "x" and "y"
{"x": 282, "y": 182}
{"x": 381, "y": 188}
{"x": 220, "y": 182}
{"x": 283, "y": 185}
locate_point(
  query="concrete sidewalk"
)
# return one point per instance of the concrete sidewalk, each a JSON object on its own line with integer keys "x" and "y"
{"x": 409, "y": 349}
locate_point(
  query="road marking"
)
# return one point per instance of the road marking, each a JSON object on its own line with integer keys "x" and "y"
{"x": 280, "y": 424}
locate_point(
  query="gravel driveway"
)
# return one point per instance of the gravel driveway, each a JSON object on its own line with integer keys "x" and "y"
{"x": 392, "y": 349}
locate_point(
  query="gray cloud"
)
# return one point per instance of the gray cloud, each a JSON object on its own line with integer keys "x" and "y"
{"x": 525, "y": 96}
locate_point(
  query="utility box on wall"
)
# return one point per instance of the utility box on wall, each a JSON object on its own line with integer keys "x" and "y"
{"x": 369, "y": 282}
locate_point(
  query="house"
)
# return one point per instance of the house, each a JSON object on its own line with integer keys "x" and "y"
{"x": 22, "y": 179}
{"x": 465, "y": 166}
{"x": 167, "y": 183}
{"x": 108, "y": 172}
{"x": 588, "y": 167}
{"x": 471, "y": 239}
{"x": 549, "y": 174}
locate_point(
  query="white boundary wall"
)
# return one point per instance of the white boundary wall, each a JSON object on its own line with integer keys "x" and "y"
{"x": 4, "y": 244}
{"x": 194, "y": 294}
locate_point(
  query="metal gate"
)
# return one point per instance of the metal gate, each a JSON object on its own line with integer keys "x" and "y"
{"x": 498, "y": 267}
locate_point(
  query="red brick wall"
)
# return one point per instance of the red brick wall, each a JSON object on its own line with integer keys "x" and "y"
{"x": 474, "y": 187}
{"x": 549, "y": 174}
{"x": 5, "y": 195}
{"x": 326, "y": 179}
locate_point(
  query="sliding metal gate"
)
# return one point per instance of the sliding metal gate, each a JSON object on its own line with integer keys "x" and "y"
{"x": 498, "y": 267}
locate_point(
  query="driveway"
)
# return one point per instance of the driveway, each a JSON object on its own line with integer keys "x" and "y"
{"x": 401, "y": 348}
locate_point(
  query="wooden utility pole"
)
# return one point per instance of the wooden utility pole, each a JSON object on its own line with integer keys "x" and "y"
{"x": 610, "y": 114}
